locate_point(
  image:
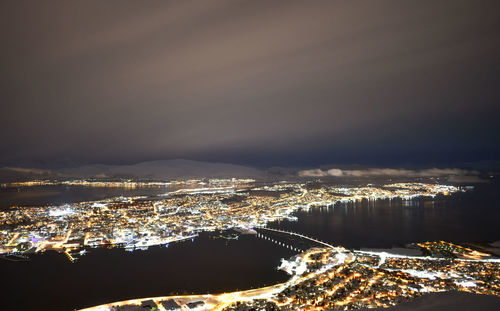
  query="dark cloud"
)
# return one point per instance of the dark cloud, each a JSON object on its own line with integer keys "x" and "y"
{"x": 281, "y": 82}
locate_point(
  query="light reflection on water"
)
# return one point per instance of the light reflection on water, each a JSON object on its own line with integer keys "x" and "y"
{"x": 471, "y": 216}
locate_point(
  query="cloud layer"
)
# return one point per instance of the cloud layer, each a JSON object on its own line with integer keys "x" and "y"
{"x": 287, "y": 82}
{"x": 382, "y": 172}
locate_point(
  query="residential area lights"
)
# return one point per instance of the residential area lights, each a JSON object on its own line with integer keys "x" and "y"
{"x": 125, "y": 183}
{"x": 140, "y": 222}
{"x": 339, "y": 279}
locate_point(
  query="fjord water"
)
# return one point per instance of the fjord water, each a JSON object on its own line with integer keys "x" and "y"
{"x": 472, "y": 216}
{"x": 62, "y": 194}
{"x": 50, "y": 282}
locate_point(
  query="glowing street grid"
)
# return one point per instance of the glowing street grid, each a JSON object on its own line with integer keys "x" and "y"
{"x": 140, "y": 222}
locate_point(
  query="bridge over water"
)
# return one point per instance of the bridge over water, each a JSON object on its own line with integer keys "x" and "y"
{"x": 305, "y": 237}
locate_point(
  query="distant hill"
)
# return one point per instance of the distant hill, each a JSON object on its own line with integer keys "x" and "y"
{"x": 9, "y": 174}
{"x": 158, "y": 170}
{"x": 165, "y": 169}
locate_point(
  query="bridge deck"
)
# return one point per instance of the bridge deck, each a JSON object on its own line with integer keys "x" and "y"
{"x": 299, "y": 235}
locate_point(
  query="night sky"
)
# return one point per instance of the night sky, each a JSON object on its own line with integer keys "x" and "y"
{"x": 258, "y": 83}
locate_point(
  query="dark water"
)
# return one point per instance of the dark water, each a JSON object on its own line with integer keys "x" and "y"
{"x": 55, "y": 195}
{"x": 50, "y": 282}
{"x": 473, "y": 216}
